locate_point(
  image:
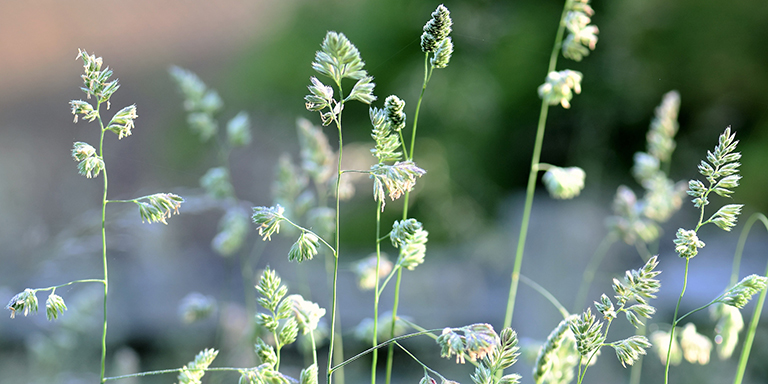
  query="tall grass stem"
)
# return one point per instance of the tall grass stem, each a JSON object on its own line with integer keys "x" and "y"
{"x": 532, "y": 176}
{"x": 750, "y": 337}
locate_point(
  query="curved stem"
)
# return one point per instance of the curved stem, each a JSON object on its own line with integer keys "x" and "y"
{"x": 299, "y": 227}
{"x": 174, "y": 370}
{"x": 740, "y": 245}
{"x": 589, "y": 272}
{"x": 384, "y": 344}
{"x": 750, "y": 337}
{"x": 314, "y": 347}
{"x": 642, "y": 250}
{"x": 543, "y": 291}
{"x": 55, "y": 287}
{"x": 674, "y": 322}
{"x": 531, "y": 188}
{"x": 436, "y": 373}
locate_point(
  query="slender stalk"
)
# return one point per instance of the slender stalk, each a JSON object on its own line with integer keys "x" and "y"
{"x": 308, "y": 231}
{"x": 103, "y": 247}
{"x": 583, "y": 373}
{"x": 589, "y": 272}
{"x": 675, "y": 320}
{"x": 543, "y": 291}
{"x": 637, "y": 367}
{"x": 426, "y": 368}
{"x": 336, "y": 252}
{"x": 174, "y": 370}
{"x": 381, "y": 345}
{"x": 55, "y": 287}
{"x": 427, "y": 76}
{"x": 408, "y": 156}
{"x": 742, "y": 240}
{"x": 750, "y": 337}
{"x": 278, "y": 346}
{"x": 531, "y": 188}
{"x": 375, "y": 358}
{"x": 314, "y": 347}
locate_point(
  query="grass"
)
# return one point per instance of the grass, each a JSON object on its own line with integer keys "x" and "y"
{"x": 307, "y": 206}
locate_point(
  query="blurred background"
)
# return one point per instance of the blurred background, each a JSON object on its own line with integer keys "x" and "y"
{"x": 476, "y": 133}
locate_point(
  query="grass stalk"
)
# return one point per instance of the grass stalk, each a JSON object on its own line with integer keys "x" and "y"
{"x": 377, "y": 295}
{"x": 408, "y": 156}
{"x": 532, "y": 176}
{"x": 334, "y": 289}
{"x": 750, "y": 337}
{"x": 675, "y": 320}
{"x": 103, "y": 248}
{"x": 589, "y": 273}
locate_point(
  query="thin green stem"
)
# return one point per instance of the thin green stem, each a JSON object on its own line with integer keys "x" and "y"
{"x": 589, "y": 273}
{"x": 408, "y": 156}
{"x": 278, "y": 346}
{"x": 383, "y": 344}
{"x": 334, "y": 296}
{"x": 691, "y": 312}
{"x": 427, "y": 75}
{"x": 314, "y": 347}
{"x": 377, "y": 296}
{"x": 547, "y": 295}
{"x": 103, "y": 246}
{"x": 397, "y": 270}
{"x": 674, "y": 322}
{"x": 134, "y": 200}
{"x": 750, "y": 337}
{"x": 309, "y": 231}
{"x": 69, "y": 283}
{"x": 586, "y": 365}
{"x": 391, "y": 350}
{"x": 642, "y": 250}
{"x": 531, "y": 188}
{"x": 174, "y": 370}
{"x": 436, "y": 373}
{"x": 637, "y": 367}
{"x": 740, "y": 245}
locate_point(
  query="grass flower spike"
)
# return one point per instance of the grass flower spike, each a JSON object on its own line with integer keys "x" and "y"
{"x": 582, "y": 37}
{"x": 339, "y": 59}
{"x": 411, "y": 238}
{"x": 122, "y": 123}
{"x": 475, "y": 341}
{"x": 559, "y": 87}
{"x": 90, "y": 164}
{"x": 437, "y": 29}
{"x": 558, "y": 357}
{"x": 25, "y": 302}
{"x": 193, "y": 372}
{"x": 396, "y": 179}
{"x": 268, "y": 219}
{"x": 564, "y": 183}
{"x": 740, "y": 294}
{"x": 159, "y": 207}
{"x": 54, "y": 306}
{"x": 95, "y": 79}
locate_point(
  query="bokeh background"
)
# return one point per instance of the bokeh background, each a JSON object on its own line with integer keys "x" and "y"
{"x": 476, "y": 133}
